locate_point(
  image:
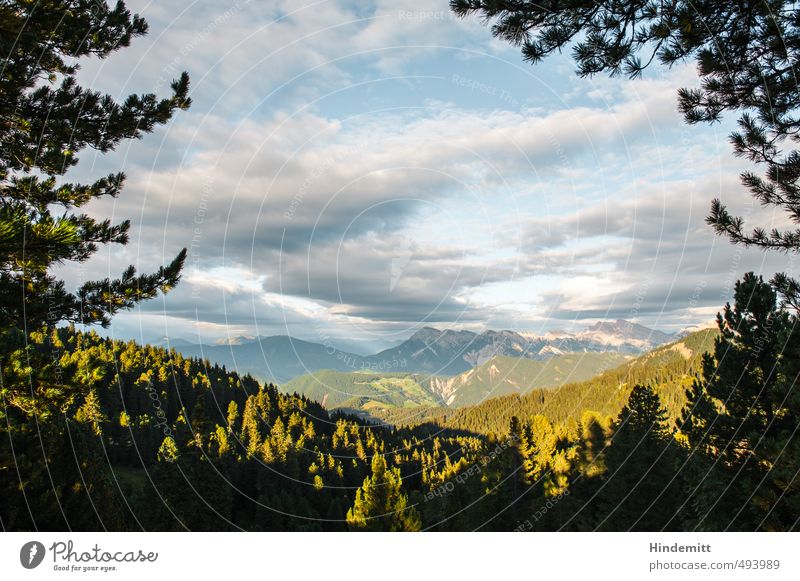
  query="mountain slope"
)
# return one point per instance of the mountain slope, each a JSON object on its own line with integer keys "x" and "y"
{"x": 429, "y": 351}
{"x": 436, "y": 352}
{"x": 503, "y": 375}
{"x": 368, "y": 391}
{"x": 452, "y": 352}
{"x": 363, "y": 390}
{"x": 669, "y": 369}
{"x": 621, "y": 333}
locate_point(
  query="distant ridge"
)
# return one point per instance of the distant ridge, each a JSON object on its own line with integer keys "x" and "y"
{"x": 430, "y": 351}
{"x": 669, "y": 369}
{"x": 448, "y": 352}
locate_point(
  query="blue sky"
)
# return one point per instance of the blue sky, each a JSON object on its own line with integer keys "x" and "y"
{"x": 356, "y": 170}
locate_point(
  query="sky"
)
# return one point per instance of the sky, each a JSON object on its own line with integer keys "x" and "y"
{"x": 353, "y": 171}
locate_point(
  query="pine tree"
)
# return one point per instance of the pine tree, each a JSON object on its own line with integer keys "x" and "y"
{"x": 91, "y": 413}
{"x": 381, "y": 504}
{"x": 742, "y": 417}
{"x": 47, "y": 118}
{"x": 594, "y": 434}
{"x": 168, "y": 451}
{"x": 232, "y": 417}
{"x": 251, "y": 435}
{"x": 220, "y": 438}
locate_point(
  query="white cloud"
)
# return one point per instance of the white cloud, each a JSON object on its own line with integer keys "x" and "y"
{"x": 434, "y": 201}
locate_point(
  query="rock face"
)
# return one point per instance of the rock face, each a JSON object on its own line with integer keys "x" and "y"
{"x": 450, "y": 352}
{"x": 626, "y": 334}
{"x": 503, "y": 375}
{"x": 445, "y": 387}
{"x": 369, "y": 393}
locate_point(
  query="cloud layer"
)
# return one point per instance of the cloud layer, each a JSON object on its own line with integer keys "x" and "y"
{"x": 359, "y": 170}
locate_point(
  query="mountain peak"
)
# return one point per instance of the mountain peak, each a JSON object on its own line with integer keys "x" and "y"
{"x": 425, "y": 333}
{"x": 240, "y": 340}
{"x": 624, "y": 331}
{"x": 428, "y": 334}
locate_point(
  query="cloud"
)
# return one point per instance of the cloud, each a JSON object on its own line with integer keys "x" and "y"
{"x": 647, "y": 253}
{"x": 343, "y": 172}
{"x": 324, "y": 203}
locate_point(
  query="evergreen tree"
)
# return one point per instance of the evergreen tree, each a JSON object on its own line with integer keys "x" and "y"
{"x": 168, "y": 451}
{"x": 593, "y": 442}
{"x": 381, "y": 504}
{"x": 47, "y": 118}
{"x": 742, "y": 417}
{"x": 640, "y": 489}
{"x": 91, "y": 413}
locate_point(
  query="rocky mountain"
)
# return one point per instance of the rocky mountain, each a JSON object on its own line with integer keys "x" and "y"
{"x": 503, "y": 375}
{"x": 625, "y": 334}
{"x": 429, "y": 351}
{"x": 669, "y": 369}
{"x": 447, "y": 352}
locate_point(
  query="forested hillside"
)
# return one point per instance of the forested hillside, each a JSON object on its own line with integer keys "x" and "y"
{"x": 371, "y": 393}
{"x": 502, "y": 375}
{"x": 364, "y": 391}
{"x": 670, "y": 370}
{"x": 140, "y": 437}
{"x": 118, "y": 436}
{"x": 96, "y": 434}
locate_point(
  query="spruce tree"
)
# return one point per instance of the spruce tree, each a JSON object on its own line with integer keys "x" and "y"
{"x": 381, "y": 504}
{"x": 90, "y": 413}
{"x": 168, "y": 451}
{"x": 640, "y": 489}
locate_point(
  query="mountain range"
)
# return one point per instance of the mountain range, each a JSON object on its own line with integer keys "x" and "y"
{"x": 429, "y": 351}
{"x": 669, "y": 369}
{"x": 369, "y": 392}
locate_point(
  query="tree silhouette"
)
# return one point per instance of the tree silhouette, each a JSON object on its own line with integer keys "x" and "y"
{"x": 742, "y": 417}
{"x": 46, "y": 118}
{"x": 641, "y": 491}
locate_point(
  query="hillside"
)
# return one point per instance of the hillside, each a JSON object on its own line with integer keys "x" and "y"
{"x": 170, "y": 444}
{"x": 377, "y": 392}
{"x": 363, "y": 390}
{"x": 273, "y": 359}
{"x": 668, "y": 369}
{"x": 139, "y": 422}
{"x": 448, "y": 352}
{"x": 503, "y": 375}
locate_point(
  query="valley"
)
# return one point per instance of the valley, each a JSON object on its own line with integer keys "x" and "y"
{"x": 364, "y": 391}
